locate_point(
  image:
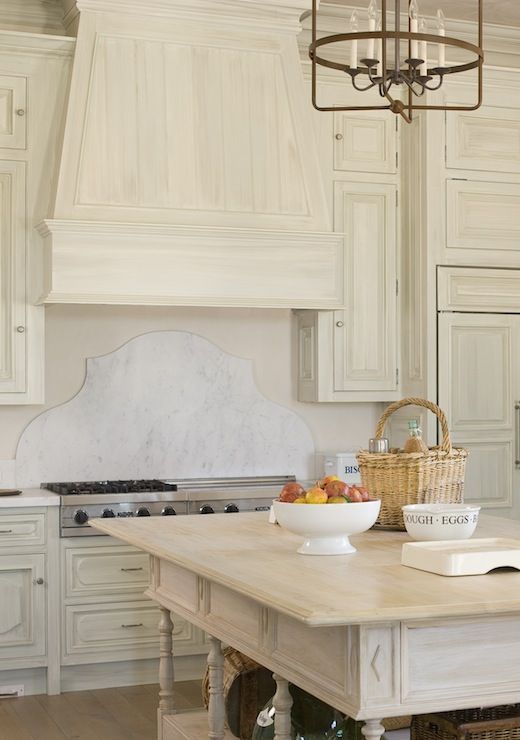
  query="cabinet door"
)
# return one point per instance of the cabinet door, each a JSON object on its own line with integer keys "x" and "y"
{"x": 13, "y": 93}
{"x": 487, "y": 139}
{"x": 22, "y": 606}
{"x": 365, "y": 142}
{"x": 478, "y": 371}
{"x": 12, "y": 277}
{"x": 365, "y": 354}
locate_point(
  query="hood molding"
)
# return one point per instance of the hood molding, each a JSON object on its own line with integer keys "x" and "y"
{"x": 189, "y": 146}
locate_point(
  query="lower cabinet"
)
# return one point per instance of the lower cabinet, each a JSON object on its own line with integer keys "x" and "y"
{"x": 106, "y": 618}
{"x": 22, "y": 607}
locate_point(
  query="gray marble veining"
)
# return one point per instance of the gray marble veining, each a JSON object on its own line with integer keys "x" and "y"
{"x": 166, "y": 404}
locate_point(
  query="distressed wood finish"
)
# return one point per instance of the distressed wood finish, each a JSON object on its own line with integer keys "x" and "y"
{"x": 166, "y": 676}
{"x": 282, "y": 703}
{"x": 478, "y": 289}
{"x": 360, "y": 632}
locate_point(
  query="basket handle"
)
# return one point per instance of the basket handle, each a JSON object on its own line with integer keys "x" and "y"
{"x": 446, "y": 440}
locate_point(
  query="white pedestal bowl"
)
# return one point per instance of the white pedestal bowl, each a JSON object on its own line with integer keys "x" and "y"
{"x": 326, "y": 527}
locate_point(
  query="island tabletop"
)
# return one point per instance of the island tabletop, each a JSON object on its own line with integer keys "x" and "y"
{"x": 362, "y": 632}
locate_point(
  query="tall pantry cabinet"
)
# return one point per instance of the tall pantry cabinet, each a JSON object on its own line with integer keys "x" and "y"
{"x": 461, "y": 264}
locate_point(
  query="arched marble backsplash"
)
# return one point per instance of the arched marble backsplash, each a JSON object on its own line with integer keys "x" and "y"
{"x": 166, "y": 404}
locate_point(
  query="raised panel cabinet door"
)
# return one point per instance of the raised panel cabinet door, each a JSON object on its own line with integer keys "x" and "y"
{"x": 478, "y": 367}
{"x": 365, "y": 342}
{"x": 22, "y": 606}
{"x": 12, "y": 278}
{"x": 13, "y": 96}
{"x": 365, "y": 142}
{"x": 487, "y": 139}
{"x": 483, "y": 216}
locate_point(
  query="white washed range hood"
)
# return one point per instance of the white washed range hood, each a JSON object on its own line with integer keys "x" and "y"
{"x": 189, "y": 172}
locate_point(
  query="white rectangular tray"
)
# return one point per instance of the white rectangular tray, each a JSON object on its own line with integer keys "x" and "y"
{"x": 462, "y": 557}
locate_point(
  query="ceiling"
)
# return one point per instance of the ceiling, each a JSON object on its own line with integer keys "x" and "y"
{"x": 501, "y": 12}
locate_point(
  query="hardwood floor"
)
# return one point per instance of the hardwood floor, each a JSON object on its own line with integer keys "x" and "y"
{"x": 126, "y": 713}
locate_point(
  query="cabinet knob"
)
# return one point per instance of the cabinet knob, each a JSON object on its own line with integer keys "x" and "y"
{"x": 38, "y": 581}
{"x": 339, "y": 137}
{"x": 20, "y": 112}
{"x": 339, "y": 324}
{"x": 20, "y": 329}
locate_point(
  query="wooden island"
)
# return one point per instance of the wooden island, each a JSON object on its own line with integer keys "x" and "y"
{"x": 361, "y": 632}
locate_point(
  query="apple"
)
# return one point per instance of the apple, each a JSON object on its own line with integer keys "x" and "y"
{"x": 337, "y": 500}
{"x": 355, "y": 496}
{"x": 300, "y": 500}
{"x": 291, "y": 491}
{"x": 322, "y": 483}
{"x": 316, "y": 495}
{"x": 364, "y": 493}
{"x": 337, "y": 488}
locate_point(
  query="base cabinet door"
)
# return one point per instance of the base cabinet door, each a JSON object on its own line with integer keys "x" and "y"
{"x": 479, "y": 389}
{"x": 22, "y": 606}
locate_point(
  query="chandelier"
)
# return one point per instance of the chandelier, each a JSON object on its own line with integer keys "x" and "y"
{"x": 390, "y": 59}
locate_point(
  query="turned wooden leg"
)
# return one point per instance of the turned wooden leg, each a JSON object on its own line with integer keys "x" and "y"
{"x": 216, "y": 707}
{"x": 372, "y": 729}
{"x": 282, "y": 703}
{"x": 165, "y": 668}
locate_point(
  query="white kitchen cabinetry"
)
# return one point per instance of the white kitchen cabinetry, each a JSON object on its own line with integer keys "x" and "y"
{"x": 479, "y": 378}
{"x": 33, "y": 86}
{"x": 351, "y": 354}
{"x": 106, "y": 617}
{"x": 29, "y": 589}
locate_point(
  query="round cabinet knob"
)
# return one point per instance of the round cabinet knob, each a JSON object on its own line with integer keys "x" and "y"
{"x": 107, "y": 514}
{"x": 206, "y": 509}
{"x": 339, "y": 324}
{"x": 339, "y": 137}
{"x": 20, "y": 112}
{"x": 231, "y": 509}
{"x": 80, "y": 517}
{"x": 38, "y": 581}
{"x": 143, "y": 512}
{"x": 20, "y": 329}
{"x": 168, "y": 511}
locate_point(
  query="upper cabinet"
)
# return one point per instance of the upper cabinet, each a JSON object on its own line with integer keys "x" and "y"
{"x": 352, "y": 354}
{"x": 33, "y": 87}
{"x": 13, "y": 102}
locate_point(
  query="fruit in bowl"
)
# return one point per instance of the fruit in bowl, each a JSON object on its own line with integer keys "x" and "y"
{"x": 326, "y": 528}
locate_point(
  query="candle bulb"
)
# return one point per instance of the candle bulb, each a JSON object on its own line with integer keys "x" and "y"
{"x": 441, "y": 29}
{"x": 413, "y": 13}
{"x": 423, "y": 53}
{"x": 354, "y": 28}
{"x": 379, "y": 54}
{"x": 372, "y": 15}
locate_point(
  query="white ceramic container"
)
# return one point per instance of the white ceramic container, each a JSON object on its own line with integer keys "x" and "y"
{"x": 440, "y": 521}
{"x": 326, "y": 527}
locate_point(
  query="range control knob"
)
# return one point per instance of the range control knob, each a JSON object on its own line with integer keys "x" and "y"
{"x": 80, "y": 516}
{"x": 231, "y": 509}
{"x": 143, "y": 512}
{"x": 206, "y": 509}
{"x": 107, "y": 514}
{"x": 168, "y": 511}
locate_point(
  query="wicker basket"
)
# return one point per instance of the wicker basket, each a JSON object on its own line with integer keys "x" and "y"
{"x": 492, "y": 723}
{"x": 412, "y": 478}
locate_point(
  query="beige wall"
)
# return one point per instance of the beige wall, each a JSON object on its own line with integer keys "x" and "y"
{"x": 268, "y": 337}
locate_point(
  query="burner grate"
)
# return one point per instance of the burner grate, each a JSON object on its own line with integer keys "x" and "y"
{"x": 84, "y": 488}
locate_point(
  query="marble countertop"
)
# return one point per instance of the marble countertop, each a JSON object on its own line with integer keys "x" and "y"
{"x": 30, "y": 497}
{"x": 259, "y": 560}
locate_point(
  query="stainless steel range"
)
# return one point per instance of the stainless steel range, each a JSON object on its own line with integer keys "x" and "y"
{"x": 82, "y": 501}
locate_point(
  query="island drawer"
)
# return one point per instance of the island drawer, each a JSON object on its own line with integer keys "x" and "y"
{"x": 105, "y": 570}
{"x": 21, "y": 530}
{"x": 178, "y": 584}
{"x": 460, "y": 658}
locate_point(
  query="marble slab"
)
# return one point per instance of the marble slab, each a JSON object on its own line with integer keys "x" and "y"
{"x": 166, "y": 404}
{"x": 28, "y": 498}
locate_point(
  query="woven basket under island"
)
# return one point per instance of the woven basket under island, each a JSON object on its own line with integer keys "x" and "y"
{"x": 400, "y": 478}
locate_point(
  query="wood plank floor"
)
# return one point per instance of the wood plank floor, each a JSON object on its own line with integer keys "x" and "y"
{"x": 126, "y": 713}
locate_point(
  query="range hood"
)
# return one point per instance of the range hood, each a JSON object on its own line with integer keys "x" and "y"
{"x": 189, "y": 172}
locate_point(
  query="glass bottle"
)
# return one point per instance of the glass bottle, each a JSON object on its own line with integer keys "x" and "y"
{"x": 415, "y": 442}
